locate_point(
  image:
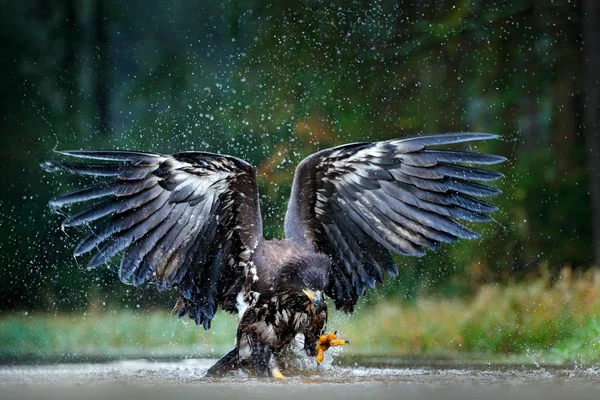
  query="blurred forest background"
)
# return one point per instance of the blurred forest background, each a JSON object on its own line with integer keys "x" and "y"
{"x": 272, "y": 82}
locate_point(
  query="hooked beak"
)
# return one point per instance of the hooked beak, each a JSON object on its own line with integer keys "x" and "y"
{"x": 315, "y": 297}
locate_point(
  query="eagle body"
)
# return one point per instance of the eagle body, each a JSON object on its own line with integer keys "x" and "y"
{"x": 192, "y": 221}
{"x": 274, "y": 308}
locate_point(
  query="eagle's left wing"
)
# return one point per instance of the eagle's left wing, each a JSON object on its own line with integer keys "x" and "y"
{"x": 359, "y": 202}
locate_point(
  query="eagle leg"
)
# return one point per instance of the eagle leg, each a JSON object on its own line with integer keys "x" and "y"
{"x": 325, "y": 342}
{"x": 263, "y": 360}
{"x": 261, "y": 356}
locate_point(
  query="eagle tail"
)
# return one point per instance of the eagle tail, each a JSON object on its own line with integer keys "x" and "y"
{"x": 226, "y": 364}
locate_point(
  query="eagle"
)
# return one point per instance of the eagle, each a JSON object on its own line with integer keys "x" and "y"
{"x": 192, "y": 221}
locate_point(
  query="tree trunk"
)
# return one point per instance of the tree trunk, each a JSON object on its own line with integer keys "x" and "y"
{"x": 591, "y": 58}
{"x": 102, "y": 67}
{"x": 70, "y": 64}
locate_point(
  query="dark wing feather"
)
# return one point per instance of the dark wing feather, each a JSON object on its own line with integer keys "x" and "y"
{"x": 361, "y": 201}
{"x": 189, "y": 219}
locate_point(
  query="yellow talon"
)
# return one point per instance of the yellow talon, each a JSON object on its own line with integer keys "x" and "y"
{"x": 337, "y": 342}
{"x": 277, "y": 374}
{"x": 325, "y": 342}
{"x": 320, "y": 354}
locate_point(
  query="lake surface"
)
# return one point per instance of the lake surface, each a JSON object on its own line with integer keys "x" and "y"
{"x": 365, "y": 379}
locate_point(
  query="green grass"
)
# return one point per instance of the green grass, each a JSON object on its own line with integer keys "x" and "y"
{"x": 532, "y": 321}
{"x": 121, "y": 334}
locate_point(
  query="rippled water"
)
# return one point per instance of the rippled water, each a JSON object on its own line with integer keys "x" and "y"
{"x": 390, "y": 378}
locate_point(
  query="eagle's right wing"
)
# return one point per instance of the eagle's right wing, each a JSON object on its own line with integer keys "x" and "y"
{"x": 188, "y": 219}
{"x": 361, "y": 201}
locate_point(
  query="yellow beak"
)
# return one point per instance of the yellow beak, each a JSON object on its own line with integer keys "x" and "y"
{"x": 315, "y": 297}
{"x": 309, "y": 293}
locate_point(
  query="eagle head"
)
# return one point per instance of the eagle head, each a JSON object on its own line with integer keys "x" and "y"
{"x": 306, "y": 275}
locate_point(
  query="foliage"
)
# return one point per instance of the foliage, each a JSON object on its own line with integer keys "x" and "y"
{"x": 273, "y": 82}
{"x": 533, "y": 321}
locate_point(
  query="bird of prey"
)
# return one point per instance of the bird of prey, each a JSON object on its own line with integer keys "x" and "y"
{"x": 192, "y": 221}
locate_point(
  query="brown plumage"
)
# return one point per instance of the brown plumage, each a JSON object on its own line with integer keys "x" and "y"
{"x": 192, "y": 221}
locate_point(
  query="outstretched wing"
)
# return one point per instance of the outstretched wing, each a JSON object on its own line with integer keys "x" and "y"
{"x": 359, "y": 202}
{"x": 188, "y": 219}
